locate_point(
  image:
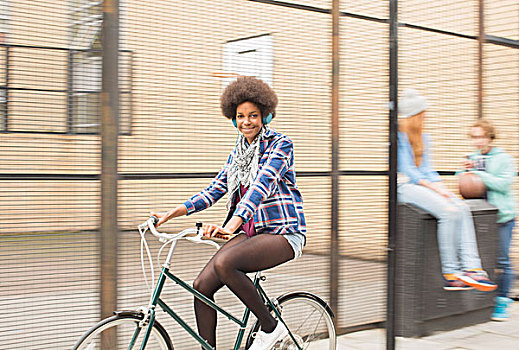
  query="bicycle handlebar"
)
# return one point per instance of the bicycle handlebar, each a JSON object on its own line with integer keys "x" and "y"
{"x": 190, "y": 234}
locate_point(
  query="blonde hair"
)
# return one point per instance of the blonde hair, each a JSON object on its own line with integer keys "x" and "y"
{"x": 413, "y": 127}
{"x": 488, "y": 128}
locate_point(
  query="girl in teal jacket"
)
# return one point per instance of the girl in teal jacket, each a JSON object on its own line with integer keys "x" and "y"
{"x": 497, "y": 169}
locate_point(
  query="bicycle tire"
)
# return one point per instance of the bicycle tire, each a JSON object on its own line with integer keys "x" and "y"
{"x": 310, "y": 320}
{"x": 126, "y": 323}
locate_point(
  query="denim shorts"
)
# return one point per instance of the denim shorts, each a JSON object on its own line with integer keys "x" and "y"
{"x": 297, "y": 241}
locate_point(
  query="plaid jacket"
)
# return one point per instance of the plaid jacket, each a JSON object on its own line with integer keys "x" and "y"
{"x": 272, "y": 200}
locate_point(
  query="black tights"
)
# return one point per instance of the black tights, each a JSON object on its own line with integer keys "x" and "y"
{"x": 228, "y": 267}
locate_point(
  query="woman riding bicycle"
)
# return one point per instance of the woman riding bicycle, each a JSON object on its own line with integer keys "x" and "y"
{"x": 265, "y": 210}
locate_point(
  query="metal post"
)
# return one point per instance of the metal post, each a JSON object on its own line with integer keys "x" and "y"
{"x": 70, "y": 91}
{"x": 130, "y": 92}
{"x": 481, "y": 42}
{"x": 5, "y": 126}
{"x": 393, "y": 148}
{"x": 334, "y": 239}
{"x": 109, "y": 132}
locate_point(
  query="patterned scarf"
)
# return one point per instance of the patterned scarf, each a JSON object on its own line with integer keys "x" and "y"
{"x": 245, "y": 164}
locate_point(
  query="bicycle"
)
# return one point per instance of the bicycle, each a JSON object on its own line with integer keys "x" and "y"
{"x": 308, "y": 318}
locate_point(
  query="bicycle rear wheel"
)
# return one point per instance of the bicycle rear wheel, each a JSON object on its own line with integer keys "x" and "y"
{"x": 309, "y": 319}
{"x": 126, "y": 327}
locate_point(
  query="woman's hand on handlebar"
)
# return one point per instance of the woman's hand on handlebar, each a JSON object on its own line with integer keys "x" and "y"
{"x": 210, "y": 231}
{"x": 161, "y": 216}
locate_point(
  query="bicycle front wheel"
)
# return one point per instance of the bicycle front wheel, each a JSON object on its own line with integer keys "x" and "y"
{"x": 122, "y": 331}
{"x": 308, "y": 318}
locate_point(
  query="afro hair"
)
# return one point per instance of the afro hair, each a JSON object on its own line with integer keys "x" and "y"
{"x": 248, "y": 89}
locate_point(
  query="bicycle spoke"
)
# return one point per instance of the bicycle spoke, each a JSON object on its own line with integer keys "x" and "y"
{"x": 307, "y": 318}
{"x": 309, "y": 323}
{"x": 318, "y": 323}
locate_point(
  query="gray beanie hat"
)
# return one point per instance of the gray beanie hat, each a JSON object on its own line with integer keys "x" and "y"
{"x": 411, "y": 104}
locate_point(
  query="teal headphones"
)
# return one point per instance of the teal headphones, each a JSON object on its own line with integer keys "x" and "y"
{"x": 265, "y": 120}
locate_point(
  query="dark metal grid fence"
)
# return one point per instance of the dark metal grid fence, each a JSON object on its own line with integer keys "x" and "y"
{"x": 52, "y": 181}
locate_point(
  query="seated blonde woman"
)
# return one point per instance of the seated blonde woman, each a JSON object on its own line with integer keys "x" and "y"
{"x": 420, "y": 185}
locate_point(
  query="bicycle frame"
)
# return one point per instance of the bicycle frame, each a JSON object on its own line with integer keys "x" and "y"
{"x": 155, "y": 300}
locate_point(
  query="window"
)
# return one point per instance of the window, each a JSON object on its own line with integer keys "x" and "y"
{"x": 250, "y": 57}
{"x": 86, "y": 72}
{"x": 4, "y": 20}
{"x": 86, "y": 86}
{"x": 86, "y": 22}
{"x": 4, "y": 30}
{"x": 85, "y": 28}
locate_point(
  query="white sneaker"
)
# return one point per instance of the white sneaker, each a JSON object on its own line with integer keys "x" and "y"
{"x": 265, "y": 341}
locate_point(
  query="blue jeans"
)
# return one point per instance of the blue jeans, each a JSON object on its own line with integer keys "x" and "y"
{"x": 503, "y": 260}
{"x": 456, "y": 234}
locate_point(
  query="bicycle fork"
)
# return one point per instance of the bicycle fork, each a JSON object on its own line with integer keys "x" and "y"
{"x": 149, "y": 316}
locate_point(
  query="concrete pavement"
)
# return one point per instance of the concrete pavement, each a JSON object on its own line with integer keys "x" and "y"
{"x": 484, "y": 336}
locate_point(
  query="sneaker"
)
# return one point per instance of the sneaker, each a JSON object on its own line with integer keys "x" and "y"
{"x": 452, "y": 283}
{"x": 501, "y": 311}
{"x": 265, "y": 341}
{"x": 478, "y": 279}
